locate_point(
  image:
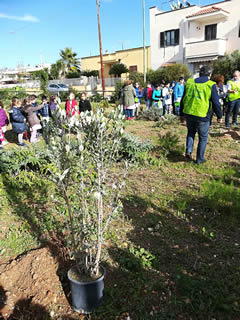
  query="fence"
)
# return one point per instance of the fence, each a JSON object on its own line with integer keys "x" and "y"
{"x": 92, "y": 84}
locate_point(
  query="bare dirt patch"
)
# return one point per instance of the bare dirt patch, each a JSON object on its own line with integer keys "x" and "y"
{"x": 30, "y": 287}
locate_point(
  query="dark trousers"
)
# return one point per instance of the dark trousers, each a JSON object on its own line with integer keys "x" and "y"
{"x": 233, "y": 106}
{"x": 202, "y": 128}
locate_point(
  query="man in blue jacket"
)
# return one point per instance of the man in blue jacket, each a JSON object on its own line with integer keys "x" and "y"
{"x": 200, "y": 97}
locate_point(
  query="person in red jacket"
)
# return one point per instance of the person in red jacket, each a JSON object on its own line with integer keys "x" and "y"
{"x": 71, "y": 105}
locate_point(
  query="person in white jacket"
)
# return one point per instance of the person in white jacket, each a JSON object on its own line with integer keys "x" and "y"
{"x": 167, "y": 99}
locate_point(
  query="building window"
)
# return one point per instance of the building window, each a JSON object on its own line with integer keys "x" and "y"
{"x": 133, "y": 68}
{"x": 211, "y": 32}
{"x": 169, "y": 38}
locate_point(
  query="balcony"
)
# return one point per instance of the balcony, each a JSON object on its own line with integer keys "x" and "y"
{"x": 205, "y": 50}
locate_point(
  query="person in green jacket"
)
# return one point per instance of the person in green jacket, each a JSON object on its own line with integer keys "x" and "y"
{"x": 128, "y": 98}
{"x": 199, "y": 99}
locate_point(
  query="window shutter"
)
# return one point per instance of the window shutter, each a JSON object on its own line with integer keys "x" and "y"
{"x": 176, "y": 36}
{"x": 162, "y": 39}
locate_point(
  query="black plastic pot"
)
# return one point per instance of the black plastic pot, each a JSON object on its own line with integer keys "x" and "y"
{"x": 86, "y": 296}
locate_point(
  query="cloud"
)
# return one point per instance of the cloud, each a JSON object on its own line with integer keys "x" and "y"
{"x": 26, "y": 18}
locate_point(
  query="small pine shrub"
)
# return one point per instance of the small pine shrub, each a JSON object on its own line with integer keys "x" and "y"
{"x": 168, "y": 143}
{"x": 167, "y": 120}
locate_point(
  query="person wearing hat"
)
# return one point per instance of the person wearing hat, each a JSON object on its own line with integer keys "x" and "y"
{"x": 199, "y": 99}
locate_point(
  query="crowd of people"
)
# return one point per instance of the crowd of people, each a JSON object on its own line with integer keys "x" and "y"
{"x": 26, "y": 116}
{"x": 194, "y": 101}
{"x": 165, "y": 96}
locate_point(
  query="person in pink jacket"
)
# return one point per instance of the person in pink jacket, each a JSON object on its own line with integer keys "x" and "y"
{"x": 3, "y": 124}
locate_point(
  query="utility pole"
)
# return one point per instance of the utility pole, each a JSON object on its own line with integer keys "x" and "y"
{"x": 144, "y": 43}
{"x": 100, "y": 48}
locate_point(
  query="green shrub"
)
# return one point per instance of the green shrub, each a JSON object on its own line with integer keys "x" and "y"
{"x": 118, "y": 87}
{"x": 169, "y": 73}
{"x": 153, "y": 114}
{"x": 168, "y": 143}
{"x": 134, "y": 149}
{"x": 221, "y": 196}
{"x": 15, "y": 160}
{"x": 6, "y": 95}
{"x": 97, "y": 98}
{"x": 137, "y": 77}
{"x": 167, "y": 120}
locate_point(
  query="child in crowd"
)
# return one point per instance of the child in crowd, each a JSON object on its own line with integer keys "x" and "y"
{"x": 45, "y": 111}
{"x": 33, "y": 99}
{"x": 139, "y": 95}
{"x": 18, "y": 120}
{"x": 3, "y": 125}
{"x": 53, "y": 104}
{"x": 84, "y": 103}
{"x": 167, "y": 99}
{"x": 148, "y": 92}
{"x": 156, "y": 97}
{"x": 178, "y": 94}
{"x": 71, "y": 105}
{"x": 32, "y": 118}
{"x": 171, "y": 91}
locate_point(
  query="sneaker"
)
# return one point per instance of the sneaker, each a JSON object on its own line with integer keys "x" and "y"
{"x": 227, "y": 126}
{"x": 235, "y": 123}
{"x": 22, "y": 144}
{"x": 4, "y": 143}
{"x": 131, "y": 118}
{"x": 200, "y": 162}
{"x": 128, "y": 118}
{"x": 188, "y": 156}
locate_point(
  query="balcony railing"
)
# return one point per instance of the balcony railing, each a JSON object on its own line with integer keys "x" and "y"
{"x": 205, "y": 49}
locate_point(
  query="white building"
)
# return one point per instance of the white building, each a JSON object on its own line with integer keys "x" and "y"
{"x": 20, "y": 72}
{"x": 194, "y": 35}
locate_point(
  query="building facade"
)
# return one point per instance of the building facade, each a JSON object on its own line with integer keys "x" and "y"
{"x": 194, "y": 35}
{"x": 132, "y": 58}
{"x": 20, "y": 73}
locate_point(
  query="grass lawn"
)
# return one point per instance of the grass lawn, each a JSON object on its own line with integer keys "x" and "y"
{"x": 176, "y": 252}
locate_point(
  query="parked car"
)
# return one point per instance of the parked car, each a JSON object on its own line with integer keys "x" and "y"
{"x": 57, "y": 88}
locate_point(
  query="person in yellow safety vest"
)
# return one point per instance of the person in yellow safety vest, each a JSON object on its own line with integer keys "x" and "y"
{"x": 233, "y": 99}
{"x": 199, "y": 99}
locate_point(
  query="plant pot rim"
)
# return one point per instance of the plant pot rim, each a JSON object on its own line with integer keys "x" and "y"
{"x": 87, "y": 282}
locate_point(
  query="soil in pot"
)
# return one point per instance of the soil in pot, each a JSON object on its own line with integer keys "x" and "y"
{"x": 75, "y": 275}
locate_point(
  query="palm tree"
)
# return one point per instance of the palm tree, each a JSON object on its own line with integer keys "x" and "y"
{"x": 70, "y": 60}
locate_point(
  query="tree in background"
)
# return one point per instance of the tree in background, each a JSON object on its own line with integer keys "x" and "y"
{"x": 70, "y": 61}
{"x": 42, "y": 76}
{"x": 73, "y": 75}
{"x": 227, "y": 65}
{"x": 137, "y": 77}
{"x": 90, "y": 73}
{"x": 118, "y": 69}
{"x": 169, "y": 73}
{"x": 56, "y": 70}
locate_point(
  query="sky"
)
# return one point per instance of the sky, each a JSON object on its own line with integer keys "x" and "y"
{"x": 29, "y": 27}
